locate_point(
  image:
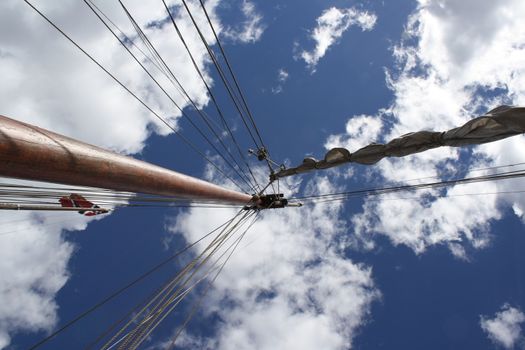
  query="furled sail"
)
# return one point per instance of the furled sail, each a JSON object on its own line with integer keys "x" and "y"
{"x": 497, "y": 124}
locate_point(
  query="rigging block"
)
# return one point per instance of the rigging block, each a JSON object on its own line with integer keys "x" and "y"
{"x": 269, "y": 201}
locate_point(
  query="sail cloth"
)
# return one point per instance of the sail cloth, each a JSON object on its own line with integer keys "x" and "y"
{"x": 497, "y": 124}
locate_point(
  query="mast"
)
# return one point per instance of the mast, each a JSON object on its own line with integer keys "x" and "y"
{"x": 32, "y": 153}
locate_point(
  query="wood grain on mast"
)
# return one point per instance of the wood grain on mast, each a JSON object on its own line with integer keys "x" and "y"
{"x": 32, "y": 153}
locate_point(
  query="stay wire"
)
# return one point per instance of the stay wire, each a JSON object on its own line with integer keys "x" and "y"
{"x": 184, "y": 92}
{"x": 465, "y": 168}
{"x": 383, "y": 190}
{"x": 155, "y": 53}
{"x": 168, "y": 73}
{"x": 417, "y": 198}
{"x": 123, "y": 289}
{"x": 189, "y": 143}
{"x": 228, "y": 87}
{"x": 143, "y": 329}
{"x": 197, "y": 305}
{"x": 184, "y": 293}
{"x": 195, "y": 65}
{"x": 162, "y": 68}
{"x": 53, "y": 200}
{"x": 169, "y": 285}
{"x": 131, "y": 41}
{"x": 50, "y": 197}
{"x": 230, "y": 69}
{"x": 231, "y": 91}
{"x": 87, "y": 2}
{"x": 380, "y": 192}
{"x": 144, "y": 304}
{"x": 158, "y": 310}
{"x": 223, "y": 52}
{"x": 234, "y": 245}
{"x": 212, "y": 96}
{"x": 172, "y": 299}
{"x": 7, "y": 191}
{"x": 158, "y": 63}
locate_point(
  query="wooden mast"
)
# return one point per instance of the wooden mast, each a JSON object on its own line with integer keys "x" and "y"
{"x": 32, "y": 153}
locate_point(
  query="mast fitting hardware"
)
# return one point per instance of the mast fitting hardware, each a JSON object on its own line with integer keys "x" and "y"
{"x": 261, "y": 153}
{"x": 269, "y": 201}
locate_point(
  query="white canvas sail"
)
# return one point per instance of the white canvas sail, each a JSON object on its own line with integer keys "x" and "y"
{"x": 497, "y": 124}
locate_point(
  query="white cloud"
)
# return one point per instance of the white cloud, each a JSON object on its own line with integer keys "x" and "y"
{"x": 424, "y": 219}
{"x": 33, "y": 268}
{"x": 249, "y": 30}
{"x": 504, "y": 329}
{"x": 282, "y": 77}
{"x": 49, "y": 83}
{"x": 287, "y": 280}
{"x": 457, "y": 59}
{"x": 63, "y": 91}
{"x": 360, "y": 130}
{"x": 330, "y": 27}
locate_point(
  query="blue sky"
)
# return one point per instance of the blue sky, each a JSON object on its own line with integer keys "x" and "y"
{"x": 433, "y": 269}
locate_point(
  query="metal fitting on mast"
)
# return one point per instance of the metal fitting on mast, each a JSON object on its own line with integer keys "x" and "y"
{"x": 270, "y": 201}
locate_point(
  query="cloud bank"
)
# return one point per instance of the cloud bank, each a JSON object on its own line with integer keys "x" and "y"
{"x": 456, "y": 61}
{"x": 49, "y": 83}
{"x": 33, "y": 269}
{"x": 287, "y": 286}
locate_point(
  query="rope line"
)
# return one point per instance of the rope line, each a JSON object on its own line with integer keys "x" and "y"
{"x": 166, "y": 295}
{"x": 121, "y": 290}
{"x": 87, "y": 2}
{"x": 385, "y": 190}
{"x": 235, "y": 80}
{"x": 197, "y": 305}
{"x": 223, "y": 52}
{"x": 146, "y": 332}
{"x": 229, "y": 89}
{"x": 208, "y": 89}
{"x": 188, "y": 142}
{"x": 203, "y": 116}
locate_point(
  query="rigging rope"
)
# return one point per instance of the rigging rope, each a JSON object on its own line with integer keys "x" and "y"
{"x": 199, "y": 302}
{"x": 228, "y": 87}
{"x": 237, "y": 85}
{"x": 384, "y": 190}
{"x": 126, "y": 287}
{"x": 131, "y": 41}
{"x": 169, "y": 298}
{"x": 182, "y": 137}
{"x": 87, "y": 2}
{"x": 223, "y": 52}
{"x": 167, "y": 294}
{"x": 212, "y": 96}
{"x": 145, "y": 334}
{"x": 49, "y": 197}
{"x": 203, "y": 116}
{"x": 240, "y": 108}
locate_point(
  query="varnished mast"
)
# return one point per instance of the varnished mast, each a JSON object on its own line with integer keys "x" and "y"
{"x": 32, "y": 153}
